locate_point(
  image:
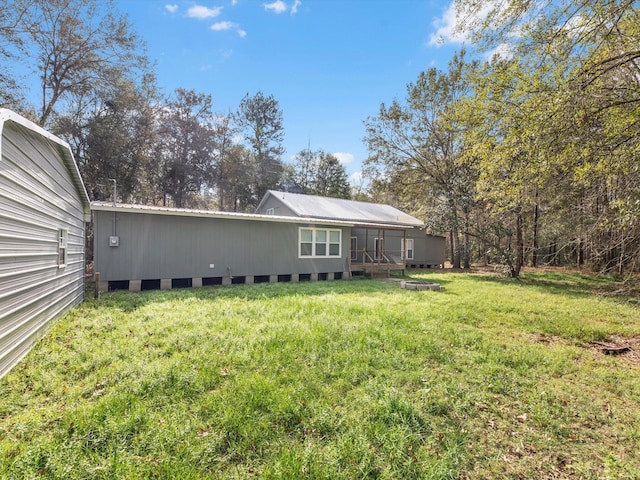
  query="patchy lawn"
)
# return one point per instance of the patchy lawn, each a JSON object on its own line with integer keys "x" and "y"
{"x": 490, "y": 378}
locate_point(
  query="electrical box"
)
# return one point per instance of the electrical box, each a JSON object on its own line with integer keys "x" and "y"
{"x": 114, "y": 241}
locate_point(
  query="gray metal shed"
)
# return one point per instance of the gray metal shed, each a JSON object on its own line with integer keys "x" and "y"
{"x": 43, "y": 210}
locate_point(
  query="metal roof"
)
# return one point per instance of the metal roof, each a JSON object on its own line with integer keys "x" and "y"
{"x": 61, "y": 147}
{"x": 187, "y": 212}
{"x": 341, "y": 209}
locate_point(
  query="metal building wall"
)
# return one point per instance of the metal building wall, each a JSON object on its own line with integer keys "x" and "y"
{"x": 153, "y": 246}
{"x": 38, "y": 196}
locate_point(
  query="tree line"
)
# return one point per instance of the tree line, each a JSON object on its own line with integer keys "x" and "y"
{"x": 98, "y": 91}
{"x": 529, "y": 157}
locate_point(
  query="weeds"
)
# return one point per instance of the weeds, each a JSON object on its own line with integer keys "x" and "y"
{"x": 353, "y": 379}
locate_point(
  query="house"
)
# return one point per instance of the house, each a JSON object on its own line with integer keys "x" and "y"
{"x": 383, "y": 237}
{"x": 148, "y": 247}
{"x": 43, "y": 210}
{"x": 143, "y": 247}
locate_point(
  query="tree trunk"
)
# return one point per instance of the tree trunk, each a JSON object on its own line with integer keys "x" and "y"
{"x": 454, "y": 235}
{"x": 452, "y": 248}
{"x": 519, "y": 257}
{"x": 466, "y": 251}
{"x": 536, "y": 216}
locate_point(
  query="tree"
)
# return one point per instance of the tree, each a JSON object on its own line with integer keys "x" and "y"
{"x": 414, "y": 148}
{"x": 72, "y": 44}
{"x": 112, "y": 134}
{"x": 236, "y": 194}
{"x": 185, "y": 149}
{"x": 260, "y": 120}
{"x": 226, "y": 161}
{"x": 11, "y": 46}
{"x": 319, "y": 173}
{"x": 573, "y": 94}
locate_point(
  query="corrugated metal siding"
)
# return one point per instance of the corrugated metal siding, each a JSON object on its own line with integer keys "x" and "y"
{"x": 37, "y": 198}
{"x": 165, "y": 246}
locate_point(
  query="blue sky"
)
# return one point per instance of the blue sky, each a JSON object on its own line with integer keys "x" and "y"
{"x": 328, "y": 63}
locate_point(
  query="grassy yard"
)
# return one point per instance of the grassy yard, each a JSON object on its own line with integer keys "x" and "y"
{"x": 490, "y": 378}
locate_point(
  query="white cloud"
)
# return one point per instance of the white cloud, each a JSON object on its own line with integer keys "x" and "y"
{"x": 504, "y": 51}
{"x": 277, "y": 7}
{"x": 171, "y": 8}
{"x": 224, "y": 26}
{"x": 234, "y": 2}
{"x": 447, "y": 28}
{"x": 344, "y": 158}
{"x": 200, "y": 11}
{"x": 356, "y": 178}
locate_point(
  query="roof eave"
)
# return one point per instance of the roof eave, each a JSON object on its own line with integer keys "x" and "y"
{"x": 170, "y": 211}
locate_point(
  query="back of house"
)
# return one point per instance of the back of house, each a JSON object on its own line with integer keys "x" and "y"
{"x": 43, "y": 210}
{"x": 380, "y": 233}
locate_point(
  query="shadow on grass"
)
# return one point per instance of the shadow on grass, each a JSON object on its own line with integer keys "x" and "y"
{"x": 575, "y": 285}
{"x": 131, "y": 301}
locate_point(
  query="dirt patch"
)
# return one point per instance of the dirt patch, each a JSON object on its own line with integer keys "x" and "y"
{"x": 627, "y": 348}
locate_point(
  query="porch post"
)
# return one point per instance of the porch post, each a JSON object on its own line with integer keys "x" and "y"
{"x": 404, "y": 251}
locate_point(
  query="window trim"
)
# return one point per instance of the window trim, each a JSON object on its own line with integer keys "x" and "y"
{"x": 405, "y": 250}
{"x": 354, "y": 251}
{"x": 271, "y": 211}
{"x": 378, "y": 248}
{"x": 63, "y": 240}
{"x": 327, "y": 243}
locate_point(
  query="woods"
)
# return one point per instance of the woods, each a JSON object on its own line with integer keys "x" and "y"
{"x": 536, "y": 160}
{"x": 523, "y": 151}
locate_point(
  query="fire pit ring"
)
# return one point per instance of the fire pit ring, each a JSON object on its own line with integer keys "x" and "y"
{"x": 413, "y": 285}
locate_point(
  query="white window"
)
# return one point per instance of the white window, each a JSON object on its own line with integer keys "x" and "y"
{"x": 317, "y": 242}
{"x": 354, "y": 248}
{"x": 62, "y": 247}
{"x": 407, "y": 249}
{"x": 271, "y": 211}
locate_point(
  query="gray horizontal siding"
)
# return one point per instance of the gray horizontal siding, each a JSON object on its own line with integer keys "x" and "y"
{"x": 428, "y": 249}
{"x": 167, "y": 246}
{"x": 37, "y": 198}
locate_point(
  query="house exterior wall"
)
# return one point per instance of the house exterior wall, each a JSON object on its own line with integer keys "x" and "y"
{"x": 278, "y": 207}
{"x": 429, "y": 250}
{"x": 153, "y": 246}
{"x": 38, "y": 198}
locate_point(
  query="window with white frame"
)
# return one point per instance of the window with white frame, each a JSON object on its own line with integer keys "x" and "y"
{"x": 271, "y": 211}
{"x": 62, "y": 247}
{"x": 354, "y": 248}
{"x": 319, "y": 242}
{"x": 407, "y": 249}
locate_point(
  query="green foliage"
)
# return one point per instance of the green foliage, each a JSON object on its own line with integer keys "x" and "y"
{"x": 259, "y": 117}
{"x": 491, "y": 378}
{"x": 318, "y": 173}
{"x": 184, "y": 150}
{"x": 415, "y": 148}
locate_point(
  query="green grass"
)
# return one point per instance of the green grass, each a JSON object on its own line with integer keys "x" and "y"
{"x": 491, "y": 378}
